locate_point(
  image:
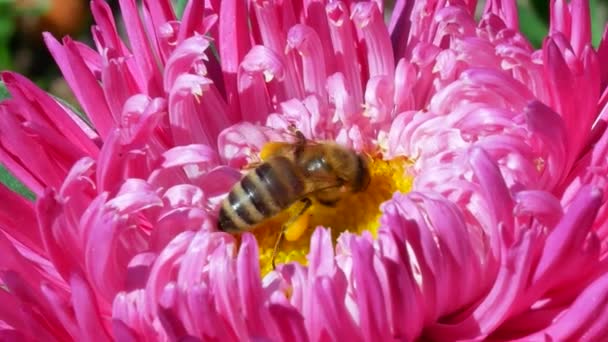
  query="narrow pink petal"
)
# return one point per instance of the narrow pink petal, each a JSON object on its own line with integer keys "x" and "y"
{"x": 112, "y": 163}
{"x": 481, "y": 85}
{"x": 141, "y": 123}
{"x": 405, "y": 79}
{"x": 321, "y": 256}
{"x": 34, "y": 164}
{"x": 18, "y": 220}
{"x": 54, "y": 230}
{"x": 561, "y": 20}
{"x": 581, "y": 25}
{"x": 161, "y": 11}
{"x": 505, "y": 10}
{"x": 128, "y": 308}
{"x": 160, "y": 274}
{"x": 307, "y": 43}
{"x": 549, "y": 127}
{"x": 379, "y": 94}
{"x": 260, "y": 75}
{"x": 86, "y": 310}
{"x": 106, "y": 30}
{"x": 314, "y": 17}
{"x": 328, "y": 316}
{"x": 189, "y": 154}
{"x": 570, "y": 234}
{"x": 602, "y": 53}
{"x": 289, "y": 322}
{"x": 21, "y": 317}
{"x": 100, "y": 257}
{"x": 223, "y": 280}
{"x": 586, "y": 319}
{"x": 79, "y": 188}
{"x": 167, "y": 39}
{"x": 21, "y": 171}
{"x": 540, "y": 205}
{"x": 258, "y": 320}
{"x": 46, "y": 108}
{"x": 188, "y": 122}
{"x": 372, "y": 314}
{"x": 191, "y": 20}
{"x": 92, "y": 59}
{"x": 342, "y": 35}
{"x": 195, "y": 260}
{"x": 134, "y": 195}
{"x": 497, "y": 195}
{"x": 141, "y": 48}
{"x": 121, "y": 332}
{"x": 118, "y": 84}
{"x": 22, "y": 274}
{"x": 346, "y": 110}
{"x": 188, "y": 57}
{"x": 496, "y": 304}
{"x": 400, "y": 26}
{"x": 83, "y": 83}
{"x": 232, "y": 47}
{"x": 373, "y": 35}
{"x": 306, "y": 115}
{"x": 273, "y": 34}
{"x": 403, "y": 298}
{"x": 59, "y": 302}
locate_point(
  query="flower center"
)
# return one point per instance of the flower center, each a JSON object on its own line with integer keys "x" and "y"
{"x": 355, "y": 213}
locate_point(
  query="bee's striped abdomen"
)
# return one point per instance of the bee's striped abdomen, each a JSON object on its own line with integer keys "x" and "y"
{"x": 262, "y": 193}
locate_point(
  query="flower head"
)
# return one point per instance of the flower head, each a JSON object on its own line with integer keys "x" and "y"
{"x": 485, "y": 217}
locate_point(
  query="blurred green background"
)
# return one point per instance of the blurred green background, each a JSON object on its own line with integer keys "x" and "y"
{"x": 23, "y": 21}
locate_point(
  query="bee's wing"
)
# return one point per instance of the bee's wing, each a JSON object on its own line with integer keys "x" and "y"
{"x": 318, "y": 183}
{"x": 281, "y": 148}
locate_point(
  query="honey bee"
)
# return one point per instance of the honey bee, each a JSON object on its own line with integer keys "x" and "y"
{"x": 303, "y": 172}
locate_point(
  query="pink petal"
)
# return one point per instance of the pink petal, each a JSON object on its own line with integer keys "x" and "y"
{"x": 86, "y": 310}
{"x": 570, "y": 233}
{"x": 119, "y": 84}
{"x": 273, "y": 35}
{"x": 260, "y": 75}
{"x": 18, "y": 220}
{"x": 373, "y": 35}
{"x": 141, "y": 48}
{"x": 258, "y": 320}
{"x": 86, "y": 88}
{"x": 232, "y": 46}
{"x": 506, "y": 10}
{"x": 43, "y": 107}
{"x": 342, "y": 36}
{"x": 307, "y": 43}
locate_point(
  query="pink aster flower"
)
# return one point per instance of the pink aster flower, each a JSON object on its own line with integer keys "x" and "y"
{"x": 485, "y": 217}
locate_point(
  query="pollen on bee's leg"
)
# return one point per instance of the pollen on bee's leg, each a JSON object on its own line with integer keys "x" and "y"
{"x": 270, "y": 149}
{"x": 296, "y": 229}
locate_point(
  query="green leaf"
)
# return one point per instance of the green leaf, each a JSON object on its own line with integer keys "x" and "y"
{"x": 532, "y": 24}
{"x": 3, "y": 92}
{"x": 179, "y": 6}
{"x": 599, "y": 15}
{"x": 14, "y": 184}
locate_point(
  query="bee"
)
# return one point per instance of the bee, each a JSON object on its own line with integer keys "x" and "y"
{"x": 293, "y": 173}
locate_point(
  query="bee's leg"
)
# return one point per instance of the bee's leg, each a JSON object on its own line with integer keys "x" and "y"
{"x": 300, "y": 138}
{"x": 252, "y": 165}
{"x": 305, "y": 203}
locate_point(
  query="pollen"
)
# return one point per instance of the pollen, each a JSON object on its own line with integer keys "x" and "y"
{"x": 356, "y": 213}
